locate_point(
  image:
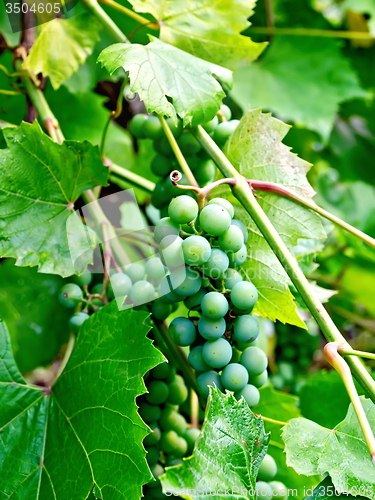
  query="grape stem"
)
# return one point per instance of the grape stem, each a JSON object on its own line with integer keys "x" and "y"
{"x": 113, "y": 115}
{"x": 331, "y": 352}
{"x": 129, "y": 176}
{"x": 245, "y": 196}
{"x": 271, "y": 420}
{"x": 108, "y": 257}
{"x": 133, "y": 15}
{"x": 349, "y": 35}
{"x": 353, "y": 352}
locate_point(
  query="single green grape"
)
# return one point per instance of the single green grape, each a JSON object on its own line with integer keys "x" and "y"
{"x": 206, "y": 172}
{"x": 77, "y": 320}
{"x": 161, "y": 165}
{"x": 223, "y": 203}
{"x": 160, "y": 310}
{"x": 120, "y": 284}
{"x": 190, "y": 436}
{"x": 250, "y": 394}
{"x": 224, "y": 130}
{"x": 154, "y": 269}
{"x": 186, "y": 281}
{"x": 84, "y": 279}
{"x": 181, "y": 447}
{"x": 158, "y": 392}
{"x": 232, "y": 240}
{"x": 214, "y": 305}
{"x": 97, "y": 288}
{"x": 188, "y": 144}
{"x": 241, "y": 225}
{"x": 165, "y": 227}
{"x": 178, "y": 393}
{"x": 211, "y": 125}
{"x": 207, "y": 380}
{"x": 216, "y": 264}
{"x": 171, "y": 251}
{"x": 263, "y": 491}
{"x": 259, "y": 380}
{"x": 182, "y": 331}
{"x": 196, "y": 360}
{"x": 214, "y": 219}
{"x": 197, "y": 250}
{"x": 244, "y": 295}
{"x": 231, "y": 277}
{"x": 149, "y": 413}
{"x": 169, "y": 441}
{"x": 183, "y": 209}
{"x": 254, "y": 360}
{"x": 226, "y": 111}
{"x": 70, "y": 295}
{"x": 175, "y": 129}
{"x": 163, "y": 147}
{"x": 279, "y": 490}
{"x": 160, "y": 195}
{"x": 161, "y": 371}
{"x": 217, "y": 353}
{"x": 166, "y": 293}
{"x": 137, "y": 124}
{"x": 286, "y": 370}
{"x": 152, "y": 128}
{"x": 154, "y": 437}
{"x": 234, "y": 377}
{"x": 136, "y": 272}
{"x": 157, "y": 470}
{"x": 246, "y": 328}
{"x": 211, "y": 329}
{"x": 194, "y": 301}
{"x": 142, "y": 292}
{"x": 267, "y": 469}
{"x": 170, "y": 420}
{"x": 236, "y": 259}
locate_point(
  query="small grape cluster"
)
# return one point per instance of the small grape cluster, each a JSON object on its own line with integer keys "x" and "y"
{"x": 149, "y": 127}
{"x": 171, "y": 437}
{"x": 266, "y": 488}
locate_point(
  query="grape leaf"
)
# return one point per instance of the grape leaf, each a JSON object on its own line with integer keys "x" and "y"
{"x": 256, "y": 150}
{"x": 85, "y": 430}
{"x": 326, "y": 491}
{"x": 170, "y": 81}
{"x": 342, "y": 451}
{"x": 227, "y": 456}
{"x": 12, "y": 39}
{"x": 38, "y": 324}
{"x": 61, "y": 46}
{"x": 39, "y": 183}
{"x": 284, "y": 82}
{"x": 281, "y": 407}
{"x": 209, "y": 29}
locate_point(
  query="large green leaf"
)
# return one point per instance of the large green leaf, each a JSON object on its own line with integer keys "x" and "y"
{"x": 227, "y": 456}
{"x": 256, "y": 150}
{"x": 209, "y": 29}
{"x": 61, "y": 46}
{"x": 327, "y": 491}
{"x": 170, "y": 81}
{"x": 341, "y": 451}
{"x": 85, "y": 430}
{"x": 300, "y": 79}
{"x": 39, "y": 183}
{"x": 37, "y": 322}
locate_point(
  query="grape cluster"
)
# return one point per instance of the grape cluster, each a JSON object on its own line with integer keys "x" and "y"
{"x": 266, "y": 488}
{"x": 149, "y": 127}
{"x": 171, "y": 437}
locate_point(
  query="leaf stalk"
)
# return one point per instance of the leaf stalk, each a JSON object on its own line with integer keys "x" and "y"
{"x": 133, "y": 15}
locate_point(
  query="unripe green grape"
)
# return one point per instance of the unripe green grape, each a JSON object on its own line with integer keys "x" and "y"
{"x": 211, "y": 125}
{"x": 231, "y": 277}
{"x": 183, "y": 209}
{"x": 178, "y": 393}
{"x": 206, "y": 172}
{"x": 163, "y": 147}
{"x": 259, "y": 380}
{"x": 70, "y": 295}
{"x": 250, "y": 394}
{"x": 196, "y": 360}
{"x": 137, "y": 124}
{"x": 234, "y": 377}
{"x": 214, "y": 219}
{"x": 263, "y": 491}
{"x": 157, "y": 470}
{"x": 120, "y": 284}
{"x": 172, "y": 375}
{"x": 267, "y": 469}
{"x": 236, "y": 355}
{"x": 207, "y": 380}
{"x": 182, "y": 331}
{"x": 186, "y": 281}
{"x": 241, "y": 225}
{"x": 158, "y": 392}
{"x": 214, "y": 305}
{"x": 97, "y": 288}
{"x": 205, "y": 282}
{"x": 173, "y": 190}
{"x": 223, "y": 203}
{"x": 254, "y": 360}
{"x": 236, "y": 259}
{"x": 175, "y": 129}
{"x": 181, "y": 447}
{"x": 216, "y": 264}
{"x": 286, "y": 370}
{"x": 224, "y": 130}
{"x": 279, "y": 490}
{"x": 232, "y": 240}
{"x": 170, "y": 420}
{"x": 160, "y": 310}
{"x": 161, "y": 371}
{"x": 152, "y": 455}
{"x": 154, "y": 269}
{"x": 174, "y": 462}
{"x": 226, "y": 111}
{"x": 194, "y": 301}
{"x": 244, "y": 295}
{"x": 217, "y": 353}
{"x": 161, "y": 165}
{"x": 246, "y": 328}
{"x": 84, "y": 279}
{"x": 211, "y": 329}
{"x": 191, "y": 435}
{"x": 136, "y": 272}
{"x": 142, "y": 292}
{"x": 149, "y": 413}
{"x": 165, "y": 227}
{"x": 278, "y": 382}
{"x": 168, "y": 441}
{"x": 171, "y": 251}
{"x": 152, "y": 128}
{"x": 154, "y": 437}
{"x": 188, "y": 144}
{"x": 160, "y": 195}
{"x": 77, "y": 320}
{"x": 165, "y": 291}
{"x": 197, "y": 250}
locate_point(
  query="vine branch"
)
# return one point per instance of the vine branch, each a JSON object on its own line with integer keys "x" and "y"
{"x": 349, "y": 35}
{"x": 133, "y": 15}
